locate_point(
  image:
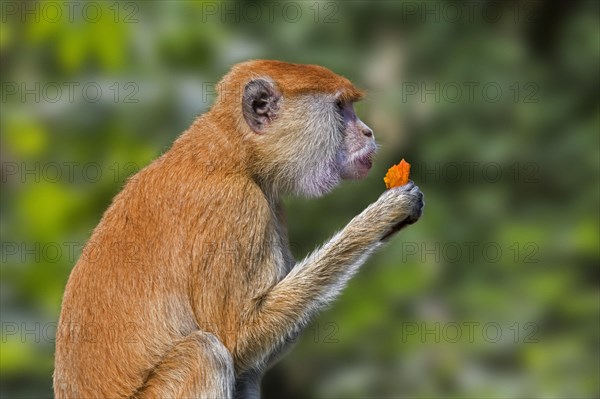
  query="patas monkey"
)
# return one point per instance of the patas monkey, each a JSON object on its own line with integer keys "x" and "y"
{"x": 187, "y": 287}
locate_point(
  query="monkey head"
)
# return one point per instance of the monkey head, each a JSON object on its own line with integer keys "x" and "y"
{"x": 300, "y": 126}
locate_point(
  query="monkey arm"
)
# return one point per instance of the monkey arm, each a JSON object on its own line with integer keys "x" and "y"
{"x": 314, "y": 282}
{"x": 288, "y": 307}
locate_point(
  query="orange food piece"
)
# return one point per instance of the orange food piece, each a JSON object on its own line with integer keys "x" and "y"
{"x": 397, "y": 175}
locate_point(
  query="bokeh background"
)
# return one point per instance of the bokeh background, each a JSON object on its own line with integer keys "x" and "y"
{"x": 494, "y": 293}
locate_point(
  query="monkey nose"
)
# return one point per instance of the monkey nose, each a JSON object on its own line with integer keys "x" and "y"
{"x": 367, "y": 132}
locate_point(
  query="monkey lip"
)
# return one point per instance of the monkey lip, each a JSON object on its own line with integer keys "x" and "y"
{"x": 359, "y": 164}
{"x": 365, "y": 158}
{"x": 362, "y": 164}
{"x": 366, "y": 161}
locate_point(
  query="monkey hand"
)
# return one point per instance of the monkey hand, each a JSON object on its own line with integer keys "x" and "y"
{"x": 396, "y": 208}
{"x": 410, "y": 200}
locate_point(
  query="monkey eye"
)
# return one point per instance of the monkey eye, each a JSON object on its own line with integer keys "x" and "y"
{"x": 339, "y": 104}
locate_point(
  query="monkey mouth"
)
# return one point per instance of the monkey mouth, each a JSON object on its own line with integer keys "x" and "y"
{"x": 360, "y": 164}
{"x": 366, "y": 161}
{"x": 365, "y": 157}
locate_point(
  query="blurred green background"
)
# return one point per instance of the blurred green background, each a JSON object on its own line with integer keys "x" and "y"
{"x": 494, "y": 293}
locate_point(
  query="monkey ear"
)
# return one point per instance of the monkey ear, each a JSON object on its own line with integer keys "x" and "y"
{"x": 260, "y": 104}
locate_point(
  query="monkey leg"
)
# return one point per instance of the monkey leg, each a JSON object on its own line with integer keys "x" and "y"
{"x": 198, "y": 366}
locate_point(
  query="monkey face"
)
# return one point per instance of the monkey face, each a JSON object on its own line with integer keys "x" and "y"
{"x": 305, "y": 144}
{"x": 358, "y": 147}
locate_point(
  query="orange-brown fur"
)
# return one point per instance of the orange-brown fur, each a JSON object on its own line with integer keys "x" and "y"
{"x": 187, "y": 275}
